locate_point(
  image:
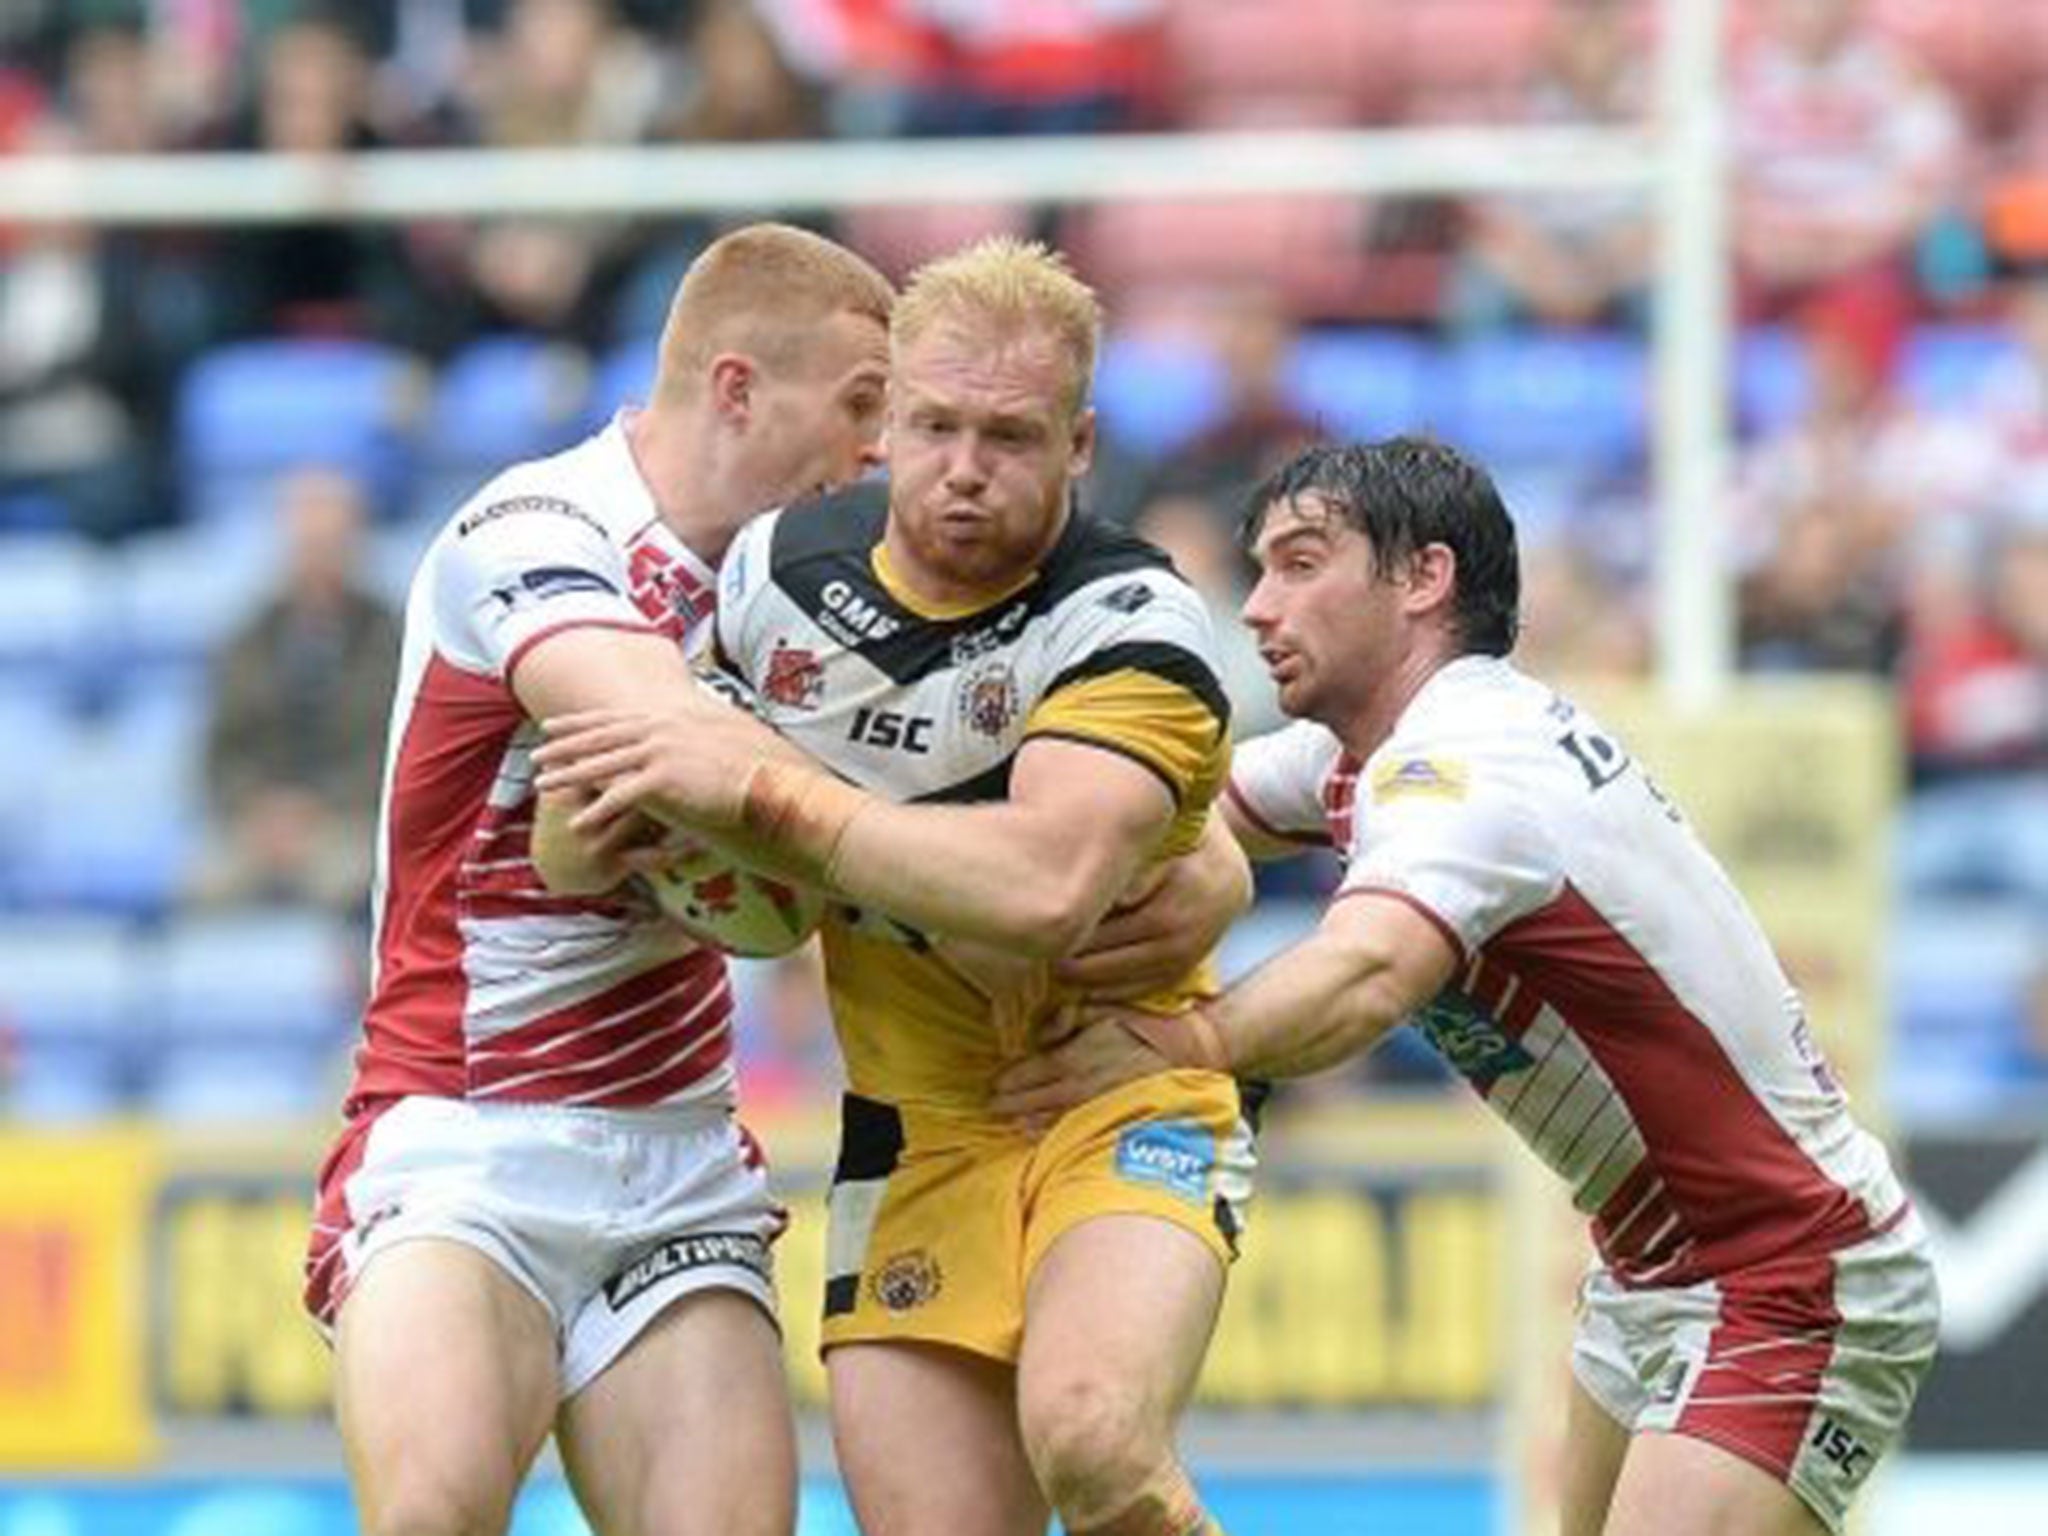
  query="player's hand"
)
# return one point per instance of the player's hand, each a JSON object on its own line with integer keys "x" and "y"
{"x": 688, "y": 768}
{"x": 589, "y": 863}
{"x": 1150, "y": 944}
{"x": 1098, "y": 1056}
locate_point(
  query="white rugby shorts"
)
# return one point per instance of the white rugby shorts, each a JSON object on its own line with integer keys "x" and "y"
{"x": 1806, "y": 1365}
{"x": 606, "y": 1216}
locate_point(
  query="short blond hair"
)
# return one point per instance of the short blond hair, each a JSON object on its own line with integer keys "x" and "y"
{"x": 762, "y": 289}
{"x": 1014, "y": 287}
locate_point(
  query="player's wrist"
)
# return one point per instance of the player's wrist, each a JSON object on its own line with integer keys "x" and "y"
{"x": 798, "y": 813}
{"x": 1189, "y": 1039}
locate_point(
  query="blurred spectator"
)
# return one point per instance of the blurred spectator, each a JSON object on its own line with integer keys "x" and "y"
{"x": 737, "y": 86}
{"x": 1579, "y": 623}
{"x": 1195, "y": 534}
{"x": 95, "y": 321}
{"x": 311, "y": 100}
{"x": 1251, "y": 334}
{"x": 1565, "y": 259}
{"x": 2014, "y": 407}
{"x": 980, "y": 67}
{"x": 565, "y": 72}
{"x": 296, "y": 744}
{"x": 1827, "y": 506}
{"x": 1844, "y": 151}
{"x": 561, "y": 72}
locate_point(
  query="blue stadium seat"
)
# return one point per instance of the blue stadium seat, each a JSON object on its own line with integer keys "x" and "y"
{"x": 1772, "y": 380}
{"x": 251, "y": 413}
{"x": 54, "y": 610}
{"x": 250, "y": 1009}
{"x": 625, "y": 376}
{"x": 1960, "y": 970}
{"x": 70, "y": 987}
{"x": 1578, "y": 398}
{"x": 1155, "y": 394}
{"x": 182, "y": 595}
{"x": 113, "y": 825}
{"x": 1946, "y": 367}
{"x": 505, "y": 398}
{"x": 1366, "y": 383}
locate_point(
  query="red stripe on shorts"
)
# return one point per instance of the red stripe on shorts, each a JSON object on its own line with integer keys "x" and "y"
{"x": 1756, "y": 1393}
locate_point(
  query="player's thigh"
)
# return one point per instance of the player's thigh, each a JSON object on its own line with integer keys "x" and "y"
{"x": 1594, "y": 1447}
{"x": 927, "y": 1442}
{"x": 1675, "y": 1485}
{"x": 446, "y": 1383}
{"x": 1116, "y": 1320}
{"x": 688, "y": 1432}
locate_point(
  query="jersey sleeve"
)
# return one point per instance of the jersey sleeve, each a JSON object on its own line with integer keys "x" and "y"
{"x": 1135, "y": 673}
{"x": 1450, "y": 833}
{"x": 737, "y": 634}
{"x": 1276, "y": 781}
{"x": 518, "y": 569}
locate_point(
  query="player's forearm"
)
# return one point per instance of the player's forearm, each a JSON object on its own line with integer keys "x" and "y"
{"x": 999, "y": 874}
{"x": 1325, "y": 1001}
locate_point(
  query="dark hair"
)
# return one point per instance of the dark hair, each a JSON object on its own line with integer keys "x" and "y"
{"x": 1405, "y": 493}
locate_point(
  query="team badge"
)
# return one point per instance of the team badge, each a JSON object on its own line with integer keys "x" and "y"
{"x": 796, "y": 678}
{"x": 989, "y": 702}
{"x": 1424, "y": 777}
{"x": 907, "y": 1281}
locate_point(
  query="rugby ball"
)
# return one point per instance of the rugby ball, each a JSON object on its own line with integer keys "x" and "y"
{"x": 732, "y": 907}
{"x": 719, "y": 899}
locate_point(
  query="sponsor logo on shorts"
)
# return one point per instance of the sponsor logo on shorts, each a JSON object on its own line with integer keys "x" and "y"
{"x": 907, "y": 1281}
{"x": 702, "y": 1250}
{"x": 1850, "y": 1456}
{"x": 1177, "y": 1156}
{"x": 515, "y": 506}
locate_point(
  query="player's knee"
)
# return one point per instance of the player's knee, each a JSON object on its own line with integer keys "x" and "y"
{"x": 422, "y": 1508}
{"x": 1093, "y": 1444}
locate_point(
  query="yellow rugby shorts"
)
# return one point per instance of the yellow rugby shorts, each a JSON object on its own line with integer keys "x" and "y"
{"x": 937, "y": 1221}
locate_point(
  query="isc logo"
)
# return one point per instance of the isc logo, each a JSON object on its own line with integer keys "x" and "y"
{"x": 889, "y": 728}
{"x": 1842, "y": 1448}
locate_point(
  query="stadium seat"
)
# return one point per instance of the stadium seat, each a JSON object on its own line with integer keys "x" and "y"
{"x": 1156, "y": 392}
{"x": 1960, "y": 970}
{"x": 182, "y": 594}
{"x": 113, "y": 826}
{"x": 251, "y": 413}
{"x": 624, "y": 377}
{"x": 1299, "y": 60}
{"x": 1772, "y": 379}
{"x": 900, "y": 237}
{"x": 1312, "y": 248}
{"x": 53, "y": 610}
{"x": 70, "y": 987}
{"x": 504, "y": 398}
{"x": 1365, "y": 383}
{"x": 250, "y": 1008}
{"x": 1946, "y": 367}
{"x": 1549, "y": 396}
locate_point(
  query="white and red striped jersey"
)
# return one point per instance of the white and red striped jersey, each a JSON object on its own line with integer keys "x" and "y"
{"x": 1617, "y": 1003}
{"x": 485, "y": 986}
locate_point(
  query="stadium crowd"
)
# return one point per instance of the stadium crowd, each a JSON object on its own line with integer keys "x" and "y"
{"x": 221, "y": 449}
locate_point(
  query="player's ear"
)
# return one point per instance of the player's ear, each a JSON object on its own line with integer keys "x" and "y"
{"x": 1432, "y": 578}
{"x": 733, "y": 377}
{"x": 1081, "y": 445}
